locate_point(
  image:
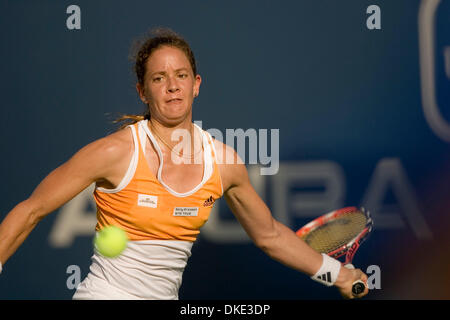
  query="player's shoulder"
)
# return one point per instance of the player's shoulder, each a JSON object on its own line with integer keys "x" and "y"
{"x": 232, "y": 169}
{"x": 117, "y": 141}
{"x": 112, "y": 147}
{"x": 225, "y": 154}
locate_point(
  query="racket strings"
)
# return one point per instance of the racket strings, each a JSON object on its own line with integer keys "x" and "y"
{"x": 336, "y": 233}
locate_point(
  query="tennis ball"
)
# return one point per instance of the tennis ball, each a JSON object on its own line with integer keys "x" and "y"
{"x": 111, "y": 241}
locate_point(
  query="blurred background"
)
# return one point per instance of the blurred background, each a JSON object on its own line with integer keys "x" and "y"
{"x": 360, "y": 96}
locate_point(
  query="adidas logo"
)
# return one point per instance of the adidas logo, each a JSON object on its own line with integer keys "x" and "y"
{"x": 325, "y": 277}
{"x": 209, "y": 202}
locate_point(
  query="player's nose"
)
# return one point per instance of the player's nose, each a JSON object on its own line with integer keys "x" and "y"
{"x": 172, "y": 85}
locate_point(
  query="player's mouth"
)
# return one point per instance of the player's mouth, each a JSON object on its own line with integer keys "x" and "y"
{"x": 174, "y": 101}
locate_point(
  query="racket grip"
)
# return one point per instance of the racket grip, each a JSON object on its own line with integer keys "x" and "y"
{"x": 358, "y": 286}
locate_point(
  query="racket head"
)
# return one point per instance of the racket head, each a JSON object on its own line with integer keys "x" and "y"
{"x": 339, "y": 232}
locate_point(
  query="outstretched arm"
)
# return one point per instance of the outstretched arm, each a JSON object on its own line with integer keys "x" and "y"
{"x": 274, "y": 238}
{"x": 93, "y": 162}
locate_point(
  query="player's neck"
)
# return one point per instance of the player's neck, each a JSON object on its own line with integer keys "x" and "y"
{"x": 180, "y": 136}
{"x": 168, "y": 132}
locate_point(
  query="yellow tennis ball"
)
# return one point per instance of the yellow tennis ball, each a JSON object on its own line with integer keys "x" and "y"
{"x": 111, "y": 241}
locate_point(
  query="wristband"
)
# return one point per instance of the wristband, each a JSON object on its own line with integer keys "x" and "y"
{"x": 328, "y": 272}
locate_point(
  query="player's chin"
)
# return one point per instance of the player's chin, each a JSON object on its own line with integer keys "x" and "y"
{"x": 178, "y": 110}
{"x": 175, "y": 118}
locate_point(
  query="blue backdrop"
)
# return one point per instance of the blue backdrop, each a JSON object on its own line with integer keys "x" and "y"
{"x": 363, "y": 117}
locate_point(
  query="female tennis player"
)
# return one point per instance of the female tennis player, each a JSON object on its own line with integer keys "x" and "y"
{"x": 148, "y": 184}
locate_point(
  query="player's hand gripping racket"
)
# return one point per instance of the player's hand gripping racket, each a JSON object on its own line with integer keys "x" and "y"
{"x": 339, "y": 233}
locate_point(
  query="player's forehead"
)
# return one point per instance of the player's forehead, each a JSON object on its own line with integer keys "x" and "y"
{"x": 167, "y": 58}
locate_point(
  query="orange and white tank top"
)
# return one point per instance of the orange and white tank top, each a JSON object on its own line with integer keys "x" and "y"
{"x": 161, "y": 224}
{"x": 148, "y": 209}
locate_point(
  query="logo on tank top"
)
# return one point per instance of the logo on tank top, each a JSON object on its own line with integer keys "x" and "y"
{"x": 185, "y": 211}
{"x": 209, "y": 202}
{"x": 146, "y": 200}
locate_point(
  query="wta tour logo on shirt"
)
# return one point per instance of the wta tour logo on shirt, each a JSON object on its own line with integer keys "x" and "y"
{"x": 185, "y": 211}
{"x": 146, "y": 200}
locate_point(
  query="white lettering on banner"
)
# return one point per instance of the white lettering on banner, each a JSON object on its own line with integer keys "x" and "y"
{"x": 427, "y": 35}
{"x": 326, "y": 175}
{"x": 446, "y": 54}
{"x": 389, "y": 173}
{"x": 287, "y": 203}
{"x": 74, "y": 220}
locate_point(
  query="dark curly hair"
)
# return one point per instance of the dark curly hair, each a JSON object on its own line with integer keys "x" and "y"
{"x": 142, "y": 50}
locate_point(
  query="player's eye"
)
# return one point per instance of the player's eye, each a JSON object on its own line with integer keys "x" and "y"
{"x": 157, "y": 79}
{"x": 183, "y": 75}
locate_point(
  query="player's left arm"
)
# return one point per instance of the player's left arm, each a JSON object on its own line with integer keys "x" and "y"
{"x": 274, "y": 238}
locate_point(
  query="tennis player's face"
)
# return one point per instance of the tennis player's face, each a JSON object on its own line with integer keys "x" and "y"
{"x": 170, "y": 85}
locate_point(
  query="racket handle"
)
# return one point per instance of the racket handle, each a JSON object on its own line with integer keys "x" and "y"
{"x": 358, "y": 286}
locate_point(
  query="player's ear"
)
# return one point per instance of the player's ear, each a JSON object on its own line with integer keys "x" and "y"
{"x": 141, "y": 92}
{"x": 198, "y": 81}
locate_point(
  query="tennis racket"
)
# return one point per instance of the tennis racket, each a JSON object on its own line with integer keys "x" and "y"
{"x": 339, "y": 233}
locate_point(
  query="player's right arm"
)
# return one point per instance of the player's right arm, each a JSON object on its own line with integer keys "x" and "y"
{"x": 96, "y": 162}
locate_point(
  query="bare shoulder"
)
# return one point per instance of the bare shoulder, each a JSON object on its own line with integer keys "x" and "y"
{"x": 117, "y": 144}
{"x": 112, "y": 146}
{"x": 109, "y": 155}
{"x": 232, "y": 168}
{"x": 224, "y": 153}
{"x": 101, "y": 161}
